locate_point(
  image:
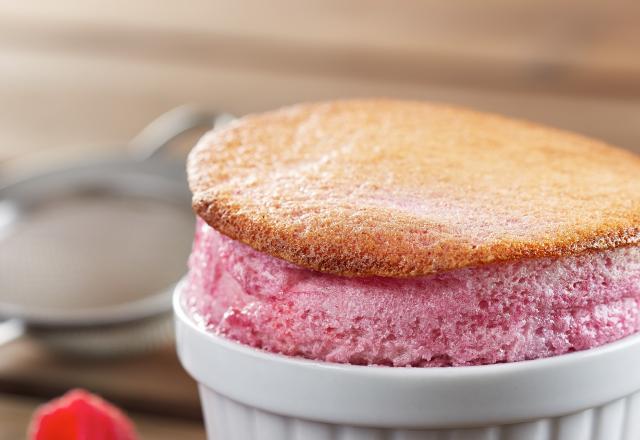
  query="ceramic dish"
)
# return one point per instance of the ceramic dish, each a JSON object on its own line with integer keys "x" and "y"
{"x": 249, "y": 394}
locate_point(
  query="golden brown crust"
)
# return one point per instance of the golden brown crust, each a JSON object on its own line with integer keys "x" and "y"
{"x": 400, "y": 188}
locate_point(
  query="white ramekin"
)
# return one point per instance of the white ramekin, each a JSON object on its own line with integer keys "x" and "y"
{"x": 248, "y": 394}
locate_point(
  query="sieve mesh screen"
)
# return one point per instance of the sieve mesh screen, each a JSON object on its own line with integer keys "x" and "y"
{"x": 85, "y": 251}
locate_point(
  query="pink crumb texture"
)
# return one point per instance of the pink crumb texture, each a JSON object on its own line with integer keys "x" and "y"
{"x": 502, "y": 312}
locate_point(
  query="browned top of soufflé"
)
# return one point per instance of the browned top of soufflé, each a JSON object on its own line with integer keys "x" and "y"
{"x": 400, "y": 188}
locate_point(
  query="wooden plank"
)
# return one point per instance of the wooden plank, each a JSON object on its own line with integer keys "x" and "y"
{"x": 579, "y": 47}
{"x": 154, "y": 383}
{"x": 488, "y": 28}
{"x": 92, "y": 101}
{"x": 15, "y": 413}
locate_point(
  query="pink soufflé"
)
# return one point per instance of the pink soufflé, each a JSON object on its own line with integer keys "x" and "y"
{"x": 503, "y": 312}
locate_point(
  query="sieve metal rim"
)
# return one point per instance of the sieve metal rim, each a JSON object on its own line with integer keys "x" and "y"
{"x": 143, "y": 162}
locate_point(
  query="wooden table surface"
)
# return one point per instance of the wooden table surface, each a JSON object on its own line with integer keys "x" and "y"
{"x": 80, "y": 77}
{"x": 15, "y": 413}
{"x": 153, "y": 389}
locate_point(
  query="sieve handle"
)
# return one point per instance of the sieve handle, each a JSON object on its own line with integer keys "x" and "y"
{"x": 10, "y": 330}
{"x": 156, "y": 137}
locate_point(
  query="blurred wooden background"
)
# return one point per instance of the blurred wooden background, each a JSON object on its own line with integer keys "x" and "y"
{"x": 78, "y": 77}
{"x": 76, "y": 74}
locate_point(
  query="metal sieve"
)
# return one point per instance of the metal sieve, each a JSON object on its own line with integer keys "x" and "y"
{"x": 89, "y": 254}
